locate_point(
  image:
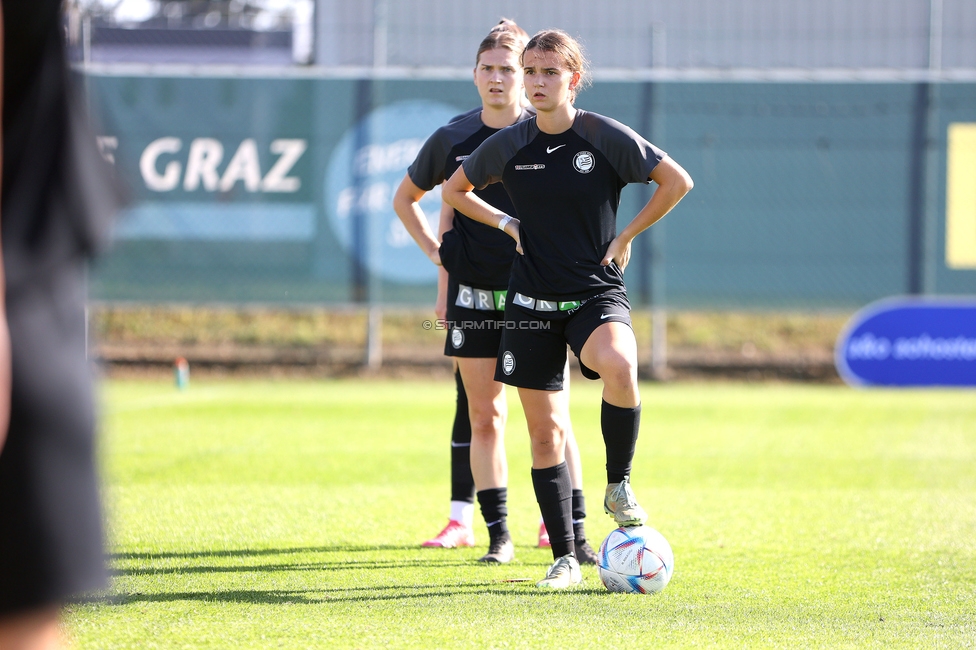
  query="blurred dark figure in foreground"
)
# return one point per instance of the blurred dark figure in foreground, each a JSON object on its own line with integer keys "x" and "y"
{"x": 57, "y": 201}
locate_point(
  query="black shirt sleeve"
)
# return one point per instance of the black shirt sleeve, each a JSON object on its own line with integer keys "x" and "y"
{"x": 633, "y": 157}
{"x": 487, "y": 163}
{"x": 427, "y": 170}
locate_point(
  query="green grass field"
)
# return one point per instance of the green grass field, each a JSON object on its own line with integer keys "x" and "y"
{"x": 289, "y": 515}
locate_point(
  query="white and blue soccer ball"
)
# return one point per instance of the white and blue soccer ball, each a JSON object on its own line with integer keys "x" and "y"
{"x": 635, "y": 560}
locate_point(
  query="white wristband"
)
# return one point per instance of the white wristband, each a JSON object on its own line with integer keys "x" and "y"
{"x": 504, "y": 222}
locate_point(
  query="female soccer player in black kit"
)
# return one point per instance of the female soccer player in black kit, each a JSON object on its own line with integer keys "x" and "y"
{"x": 564, "y": 170}
{"x": 477, "y": 260}
{"x": 56, "y": 208}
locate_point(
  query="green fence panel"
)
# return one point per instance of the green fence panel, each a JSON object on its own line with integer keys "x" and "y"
{"x": 278, "y": 190}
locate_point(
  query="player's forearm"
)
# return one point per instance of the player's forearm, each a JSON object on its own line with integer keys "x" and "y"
{"x": 440, "y": 304}
{"x": 415, "y": 221}
{"x": 474, "y": 207}
{"x": 673, "y": 184}
{"x": 457, "y": 192}
{"x": 446, "y": 221}
{"x": 660, "y": 204}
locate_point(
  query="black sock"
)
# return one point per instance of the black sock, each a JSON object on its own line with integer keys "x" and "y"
{"x": 462, "y": 483}
{"x": 554, "y": 492}
{"x": 494, "y": 508}
{"x": 620, "y": 428}
{"x": 579, "y": 514}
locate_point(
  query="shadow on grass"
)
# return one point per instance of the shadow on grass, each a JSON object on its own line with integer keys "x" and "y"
{"x": 340, "y": 595}
{"x": 236, "y": 561}
{"x": 303, "y": 566}
{"x": 251, "y": 552}
{"x": 419, "y": 558}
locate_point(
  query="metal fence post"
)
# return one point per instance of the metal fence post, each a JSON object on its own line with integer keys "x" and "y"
{"x": 933, "y": 138}
{"x": 374, "y": 321}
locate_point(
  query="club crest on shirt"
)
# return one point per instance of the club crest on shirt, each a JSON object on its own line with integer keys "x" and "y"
{"x": 584, "y": 162}
{"x": 457, "y": 338}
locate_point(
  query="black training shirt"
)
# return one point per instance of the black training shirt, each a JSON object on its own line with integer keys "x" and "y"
{"x": 472, "y": 252}
{"x": 58, "y": 200}
{"x": 566, "y": 190}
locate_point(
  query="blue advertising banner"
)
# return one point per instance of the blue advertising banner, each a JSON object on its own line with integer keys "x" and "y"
{"x": 380, "y": 147}
{"x": 910, "y": 342}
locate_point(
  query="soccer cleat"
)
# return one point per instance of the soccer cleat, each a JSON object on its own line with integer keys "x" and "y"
{"x": 501, "y": 551}
{"x": 543, "y": 536}
{"x": 454, "y": 534}
{"x": 622, "y": 504}
{"x": 563, "y": 574}
{"x": 585, "y": 553}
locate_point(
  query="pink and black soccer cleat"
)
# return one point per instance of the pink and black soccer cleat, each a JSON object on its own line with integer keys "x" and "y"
{"x": 454, "y": 534}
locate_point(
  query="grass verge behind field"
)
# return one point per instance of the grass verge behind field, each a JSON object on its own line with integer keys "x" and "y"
{"x": 775, "y": 333}
{"x": 289, "y": 514}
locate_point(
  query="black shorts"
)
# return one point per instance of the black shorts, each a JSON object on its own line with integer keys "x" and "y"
{"x": 533, "y": 348}
{"x": 50, "y": 519}
{"x": 474, "y": 322}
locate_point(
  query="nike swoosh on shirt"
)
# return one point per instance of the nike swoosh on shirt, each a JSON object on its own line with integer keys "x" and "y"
{"x": 551, "y": 149}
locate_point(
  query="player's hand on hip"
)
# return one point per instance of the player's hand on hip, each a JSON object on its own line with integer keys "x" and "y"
{"x": 513, "y": 229}
{"x": 434, "y": 255}
{"x": 619, "y": 252}
{"x": 518, "y": 238}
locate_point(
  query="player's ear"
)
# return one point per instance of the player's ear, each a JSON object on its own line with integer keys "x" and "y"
{"x": 574, "y": 80}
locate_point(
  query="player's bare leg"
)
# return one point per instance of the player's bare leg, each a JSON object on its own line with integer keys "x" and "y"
{"x": 611, "y": 351}
{"x": 34, "y": 630}
{"x": 488, "y": 412}
{"x": 547, "y": 418}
